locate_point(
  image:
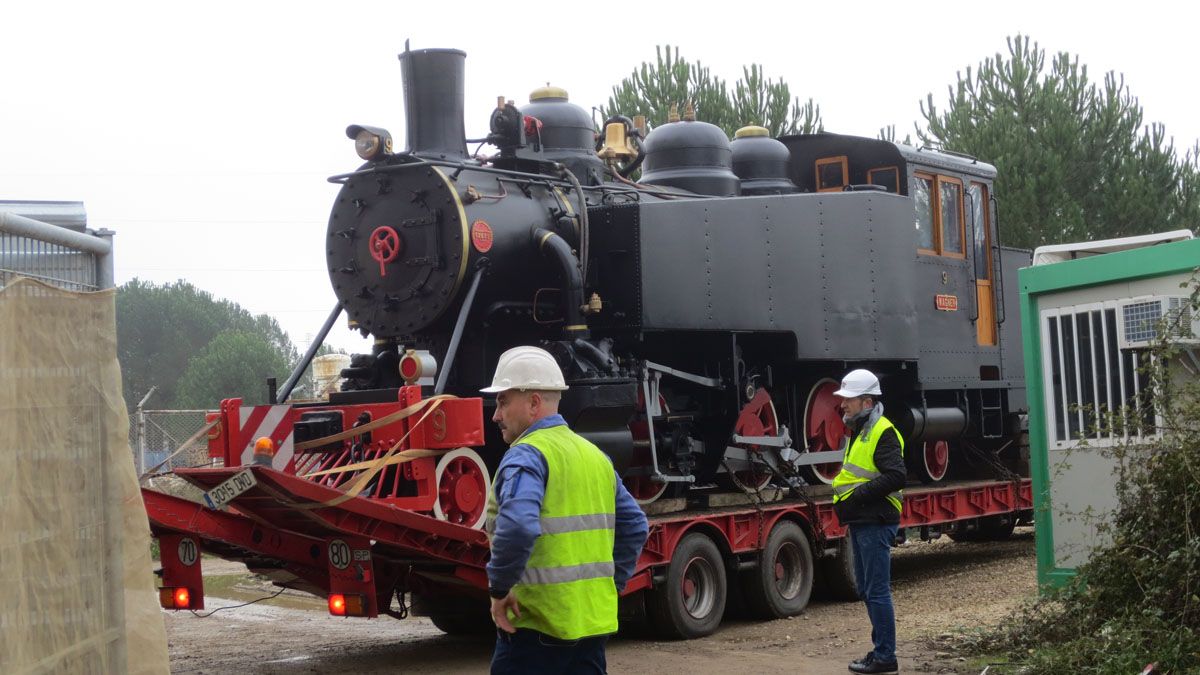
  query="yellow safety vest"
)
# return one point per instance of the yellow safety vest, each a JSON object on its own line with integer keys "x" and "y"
{"x": 858, "y": 467}
{"x": 567, "y": 589}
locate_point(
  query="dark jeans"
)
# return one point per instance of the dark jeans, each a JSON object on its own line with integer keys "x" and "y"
{"x": 528, "y": 651}
{"x": 873, "y": 572}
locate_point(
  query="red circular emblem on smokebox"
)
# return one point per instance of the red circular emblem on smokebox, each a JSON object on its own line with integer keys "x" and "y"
{"x": 481, "y": 236}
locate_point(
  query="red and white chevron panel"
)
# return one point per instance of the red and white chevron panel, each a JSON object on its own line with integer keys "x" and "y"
{"x": 267, "y": 420}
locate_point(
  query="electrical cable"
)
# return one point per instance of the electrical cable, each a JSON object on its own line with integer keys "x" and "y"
{"x": 244, "y": 604}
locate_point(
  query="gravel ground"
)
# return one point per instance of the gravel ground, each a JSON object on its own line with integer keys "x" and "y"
{"x": 938, "y": 587}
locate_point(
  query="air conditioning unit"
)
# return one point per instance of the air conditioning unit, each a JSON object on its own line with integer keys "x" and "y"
{"x": 1142, "y": 319}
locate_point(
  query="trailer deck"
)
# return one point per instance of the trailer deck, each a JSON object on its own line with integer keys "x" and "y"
{"x": 316, "y": 538}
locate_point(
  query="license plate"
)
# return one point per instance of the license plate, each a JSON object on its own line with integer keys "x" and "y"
{"x": 224, "y": 493}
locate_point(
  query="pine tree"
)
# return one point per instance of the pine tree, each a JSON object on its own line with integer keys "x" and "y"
{"x": 653, "y": 88}
{"x": 1075, "y": 160}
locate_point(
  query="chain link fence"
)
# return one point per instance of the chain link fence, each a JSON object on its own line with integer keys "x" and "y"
{"x": 155, "y": 435}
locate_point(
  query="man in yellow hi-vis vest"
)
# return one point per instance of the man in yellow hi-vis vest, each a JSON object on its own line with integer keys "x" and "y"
{"x": 565, "y": 532}
{"x": 868, "y": 498}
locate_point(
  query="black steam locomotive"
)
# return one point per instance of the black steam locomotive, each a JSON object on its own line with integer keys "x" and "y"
{"x": 702, "y": 310}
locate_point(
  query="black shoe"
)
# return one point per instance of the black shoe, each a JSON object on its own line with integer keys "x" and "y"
{"x": 869, "y": 666}
{"x": 865, "y": 661}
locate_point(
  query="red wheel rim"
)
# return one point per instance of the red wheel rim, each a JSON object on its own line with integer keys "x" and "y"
{"x": 462, "y": 491}
{"x": 756, "y": 419}
{"x": 824, "y": 429}
{"x": 937, "y": 459}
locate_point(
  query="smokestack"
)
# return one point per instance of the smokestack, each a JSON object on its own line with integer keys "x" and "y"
{"x": 433, "y": 102}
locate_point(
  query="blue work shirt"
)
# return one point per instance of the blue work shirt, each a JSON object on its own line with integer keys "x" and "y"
{"x": 520, "y": 487}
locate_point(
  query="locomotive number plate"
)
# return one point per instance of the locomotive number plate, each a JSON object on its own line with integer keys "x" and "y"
{"x": 946, "y": 303}
{"x": 224, "y": 493}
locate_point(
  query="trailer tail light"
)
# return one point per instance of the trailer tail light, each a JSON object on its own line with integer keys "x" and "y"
{"x": 337, "y": 604}
{"x": 347, "y": 604}
{"x": 175, "y": 598}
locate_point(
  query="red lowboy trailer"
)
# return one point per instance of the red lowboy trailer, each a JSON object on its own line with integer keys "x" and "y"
{"x": 366, "y": 504}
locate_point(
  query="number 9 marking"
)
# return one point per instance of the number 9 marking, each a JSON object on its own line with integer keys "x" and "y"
{"x": 438, "y": 421}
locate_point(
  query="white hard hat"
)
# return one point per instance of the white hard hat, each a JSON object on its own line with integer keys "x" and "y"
{"x": 859, "y": 383}
{"x": 526, "y": 368}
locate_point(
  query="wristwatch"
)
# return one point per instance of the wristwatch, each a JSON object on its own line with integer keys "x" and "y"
{"x": 497, "y": 594}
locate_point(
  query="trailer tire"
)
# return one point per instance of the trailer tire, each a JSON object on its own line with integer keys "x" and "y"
{"x": 997, "y": 528}
{"x": 691, "y": 601}
{"x": 989, "y": 528}
{"x": 781, "y": 584}
{"x": 463, "y": 624}
{"x": 837, "y": 572}
{"x": 455, "y": 614}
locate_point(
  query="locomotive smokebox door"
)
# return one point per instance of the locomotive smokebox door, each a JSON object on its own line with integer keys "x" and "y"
{"x": 397, "y": 249}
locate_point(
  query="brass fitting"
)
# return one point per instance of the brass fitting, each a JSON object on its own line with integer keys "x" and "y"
{"x": 752, "y": 131}
{"x": 616, "y": 144}
{"x": 594, "y": 305}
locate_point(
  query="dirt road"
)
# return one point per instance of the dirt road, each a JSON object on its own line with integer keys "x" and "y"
{"x": 938, "y": 586}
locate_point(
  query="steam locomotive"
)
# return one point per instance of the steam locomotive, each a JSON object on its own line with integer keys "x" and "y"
{"x": 703, "y": 296}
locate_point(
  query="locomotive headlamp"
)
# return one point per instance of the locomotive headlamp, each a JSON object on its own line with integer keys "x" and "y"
{"x": 415, "y": 365}
{"x": 370, "y": 142}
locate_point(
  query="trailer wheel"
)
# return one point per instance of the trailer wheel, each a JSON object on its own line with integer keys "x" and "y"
{"x": 455, "y": 614}
{"x": 782, "y": 582}
{"x": 690, "y": 603}
{"x": 989, "y": 528}
{"x": 997, "y": 528}
{"x": 837, "y": 572}
{"x": 459, "y": 624}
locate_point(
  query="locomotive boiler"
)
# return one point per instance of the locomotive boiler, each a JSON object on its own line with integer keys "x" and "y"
{"x": 702, "y": 295}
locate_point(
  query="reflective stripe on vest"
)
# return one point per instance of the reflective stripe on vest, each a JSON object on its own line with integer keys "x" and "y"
{"x": 858, "y": 467}
{"x": 561, "y": 575}
{"x": 859, "y": 471}
{"x": 562, "y": 524}
{"x": 567, "y": 589}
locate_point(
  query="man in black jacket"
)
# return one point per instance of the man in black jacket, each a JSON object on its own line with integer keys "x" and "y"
{"x": 868, "y": 499}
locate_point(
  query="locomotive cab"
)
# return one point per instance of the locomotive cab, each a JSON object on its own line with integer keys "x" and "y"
{"x": 954, "y": 219}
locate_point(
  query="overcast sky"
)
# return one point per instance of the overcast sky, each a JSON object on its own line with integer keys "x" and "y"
{"x": 202, "y": 133}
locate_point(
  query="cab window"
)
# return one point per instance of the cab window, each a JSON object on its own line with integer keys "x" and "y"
{"x": 980, "y": 226}
{"x": 951, "y": 197}
{"x": 938, "y": 201}
{"x": 922, "y": 196}
{"x": 887, "y": 176}
{"x": 832, "y": 173}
